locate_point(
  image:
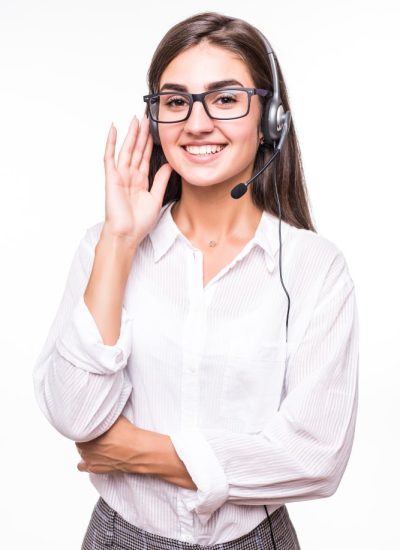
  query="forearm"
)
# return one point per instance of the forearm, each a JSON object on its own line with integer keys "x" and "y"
{"x": 105, "y": 290}
{"x": 173, "y": 469}
{"x": 157, "y": 456}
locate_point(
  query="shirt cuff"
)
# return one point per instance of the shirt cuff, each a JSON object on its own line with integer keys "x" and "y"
{"x": 82, "y": 344}
{"x": 204, "y": 469}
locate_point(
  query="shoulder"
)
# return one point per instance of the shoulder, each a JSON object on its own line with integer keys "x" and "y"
{"x": 316, "y": 262}
{"x": 310, "y": 242}
{"x": 314, "y": 250}
{"x": 317, "y": 276}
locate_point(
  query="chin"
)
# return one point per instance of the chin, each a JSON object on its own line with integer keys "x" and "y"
{"x": 197, "y": 181}
{"x": 210, "y": 176}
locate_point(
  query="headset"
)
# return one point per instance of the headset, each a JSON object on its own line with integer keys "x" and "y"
{"x": 275, "y": 124}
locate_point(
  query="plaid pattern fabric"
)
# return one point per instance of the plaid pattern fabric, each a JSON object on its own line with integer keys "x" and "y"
{"x": 107, "y": 530}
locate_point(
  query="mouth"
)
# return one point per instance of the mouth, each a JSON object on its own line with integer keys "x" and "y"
{"x": 204, "y": 152}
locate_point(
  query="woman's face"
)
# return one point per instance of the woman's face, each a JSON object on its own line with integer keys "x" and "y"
{"x": 195, "y": 69}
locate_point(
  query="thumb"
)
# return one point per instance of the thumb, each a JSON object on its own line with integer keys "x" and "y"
{"x": 160, "y": 182}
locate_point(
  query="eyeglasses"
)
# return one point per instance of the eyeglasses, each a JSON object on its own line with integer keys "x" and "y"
{"x": 221, "y": 104}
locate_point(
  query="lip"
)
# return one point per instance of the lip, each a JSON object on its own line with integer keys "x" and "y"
{"x": 199, "y": 159}
{"x": 199, "y": 144}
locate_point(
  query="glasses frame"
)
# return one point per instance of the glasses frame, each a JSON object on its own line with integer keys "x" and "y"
{"x": 201, "y": 97}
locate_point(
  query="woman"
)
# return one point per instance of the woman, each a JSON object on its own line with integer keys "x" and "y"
{"x": 197, "y": 408}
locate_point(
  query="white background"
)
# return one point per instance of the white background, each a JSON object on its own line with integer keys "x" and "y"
{"x": 68, "y": 69}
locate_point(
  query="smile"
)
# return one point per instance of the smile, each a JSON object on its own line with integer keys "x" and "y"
{"x": 204, "y": 152}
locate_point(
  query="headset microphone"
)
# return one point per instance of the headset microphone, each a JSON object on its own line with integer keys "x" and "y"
{"x": 241, "y": 188}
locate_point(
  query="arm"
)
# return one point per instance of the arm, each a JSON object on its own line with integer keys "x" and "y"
{"x": 80, "y": 382}
{"x": 127, "y": 448}
{"x": 106, "y": 287}
{"x": 303, "y": 450}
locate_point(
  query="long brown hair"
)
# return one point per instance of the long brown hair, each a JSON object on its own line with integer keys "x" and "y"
{"x": 244, "y": 40}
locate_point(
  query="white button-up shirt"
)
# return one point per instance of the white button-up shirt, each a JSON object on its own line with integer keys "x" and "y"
{"x": 255, "y": 420}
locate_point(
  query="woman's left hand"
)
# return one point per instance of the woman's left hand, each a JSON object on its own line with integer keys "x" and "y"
{"x": 112, "y": 451}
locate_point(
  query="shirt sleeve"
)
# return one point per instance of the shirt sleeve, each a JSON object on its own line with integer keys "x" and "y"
{"x": 303, "y": 450}
{"x": 80, "y": 383}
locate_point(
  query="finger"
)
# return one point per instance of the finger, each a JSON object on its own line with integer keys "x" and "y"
{"x": 160, "y": 182}
{"x": 145, "y": 164}
{"x": 125, "y": 154}
{"x": 82, "y": 467}
{"x": 109, "y": 153}
{"x": 141, "y": 142}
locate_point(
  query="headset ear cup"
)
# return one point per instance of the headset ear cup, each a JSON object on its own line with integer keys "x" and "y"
{"x": 273, "y": 114}
{"x": 154, "y": 132}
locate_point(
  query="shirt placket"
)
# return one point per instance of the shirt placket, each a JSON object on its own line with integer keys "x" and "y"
{"x": 194, "y": 333}
{"x": 193, "y": 338}
{"x": 193, "y": 344}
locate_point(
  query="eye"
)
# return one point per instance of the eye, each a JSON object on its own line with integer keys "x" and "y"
{"x": 176, "y": 101}
{"x": 226, "y": 99}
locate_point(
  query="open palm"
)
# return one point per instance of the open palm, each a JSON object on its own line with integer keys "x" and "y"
{"x": 131, "y": 209}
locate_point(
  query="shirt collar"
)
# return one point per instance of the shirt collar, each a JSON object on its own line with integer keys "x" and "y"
{"x": 165, "y": 232}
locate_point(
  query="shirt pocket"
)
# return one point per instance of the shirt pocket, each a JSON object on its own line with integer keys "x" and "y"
{"x": 252, "y": 387}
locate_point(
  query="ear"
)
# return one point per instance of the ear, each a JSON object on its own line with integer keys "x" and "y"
{"x": 260, "y": 132}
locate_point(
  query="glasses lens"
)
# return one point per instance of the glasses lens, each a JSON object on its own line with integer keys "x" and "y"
{"x": 227, "y": 103}
{"x": 169, "y": 107}
{"x": 222, "y": 104}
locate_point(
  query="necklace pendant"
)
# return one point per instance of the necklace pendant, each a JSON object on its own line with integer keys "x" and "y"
{"x": 212, "y": 243}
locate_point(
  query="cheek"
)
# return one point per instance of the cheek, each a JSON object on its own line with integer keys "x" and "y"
{"x": 245, "y": 131}
{"x": 246, "y": 139}
{"x": 171, "y": 150}
{"x": 168, "y": 139}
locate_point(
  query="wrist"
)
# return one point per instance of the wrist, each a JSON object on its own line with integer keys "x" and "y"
{"x": 118, "y": 240}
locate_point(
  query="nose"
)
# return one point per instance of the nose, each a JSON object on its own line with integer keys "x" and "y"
{"x": 198, "y": 121}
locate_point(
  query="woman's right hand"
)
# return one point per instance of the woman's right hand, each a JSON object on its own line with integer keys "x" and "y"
{"x": 131, "y": 209}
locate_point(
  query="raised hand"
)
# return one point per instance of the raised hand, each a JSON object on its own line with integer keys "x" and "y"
{"x": 132, "y": 210}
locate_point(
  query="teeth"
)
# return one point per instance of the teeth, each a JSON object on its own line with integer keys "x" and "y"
{"x": 204, "y": 149}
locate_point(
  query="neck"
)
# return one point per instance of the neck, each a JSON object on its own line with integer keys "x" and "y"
{"x": 209, "y": 215}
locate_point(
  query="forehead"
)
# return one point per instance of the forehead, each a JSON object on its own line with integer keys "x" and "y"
{"x": 204, "y": 63}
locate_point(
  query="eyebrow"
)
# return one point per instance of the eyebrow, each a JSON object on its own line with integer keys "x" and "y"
{"x": 209, "y": 86}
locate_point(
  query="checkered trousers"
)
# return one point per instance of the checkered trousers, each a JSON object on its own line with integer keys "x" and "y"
{"x": 107, "y": 530}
